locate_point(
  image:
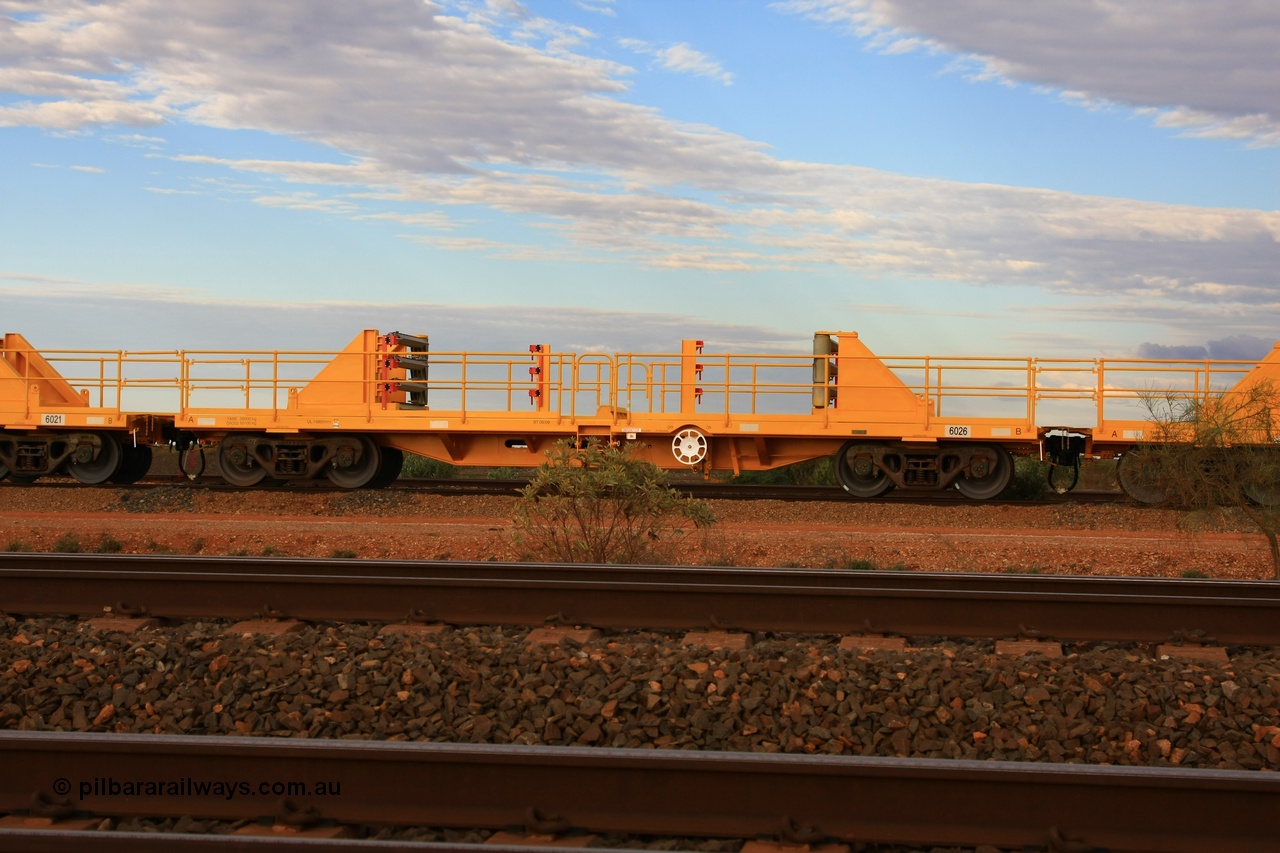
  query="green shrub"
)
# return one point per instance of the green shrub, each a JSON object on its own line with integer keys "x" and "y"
{"x": 109, "y": 545}
{"x": 1194, "y": 573}
{"x": 427, "y": 468}
{"x": 600, "y": 504}
{"x": 851, "y": 564}
{"x": 1030, "y": 480}
{"x": 811, "y": 472}
{"x": 68, "y": 544}
{"x": 507, "y": 473}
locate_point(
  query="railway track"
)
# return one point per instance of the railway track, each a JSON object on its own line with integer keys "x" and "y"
{"x": 706, "y": 490}
{"x": 797, "y": 799}
{"x": 629, "y": 597}
{"x": 554, "y": 790}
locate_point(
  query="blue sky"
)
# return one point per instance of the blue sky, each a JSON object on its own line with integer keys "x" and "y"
{"x": 1074, "y": 178}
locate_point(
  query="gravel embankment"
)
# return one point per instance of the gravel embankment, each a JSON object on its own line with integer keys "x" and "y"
{"x": 1099, "y": 704}
{"x": 1076, "y": 538}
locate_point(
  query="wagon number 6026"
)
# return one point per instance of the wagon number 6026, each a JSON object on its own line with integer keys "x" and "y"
{"x": 957, "y": 432}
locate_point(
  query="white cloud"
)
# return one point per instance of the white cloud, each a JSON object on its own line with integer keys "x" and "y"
{"x": 603, "y": 7}
{"x": 1210, "y": 67}
{"x": 682, "y": 59}
{"x": 430, "y": 112}
{"x": 307, "y": 201}
{"x": 93, "y": 170}
{"x": 42, "y": 308}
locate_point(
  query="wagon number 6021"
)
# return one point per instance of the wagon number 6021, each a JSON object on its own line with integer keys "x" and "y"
{"x": 55, "y": 420}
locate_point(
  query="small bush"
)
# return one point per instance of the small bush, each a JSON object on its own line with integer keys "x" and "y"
{"x": 197, "y": 545}
{"x": 109, "y": 545}
{"x": 812, "y": 472}
{"x": 600, "y": 504}
{"x": 272, "y": 551}
{"x": 68, "y": 544}
{"x": 1030, "y": 480}
{"x": 16, "y": 545}
{"x": 427, "y": 468}
{"x": 1194, "y": 573}
{"x": 343, "y": 554}
{"x": 848, "y": 563}
{"x": 851, "y": 564}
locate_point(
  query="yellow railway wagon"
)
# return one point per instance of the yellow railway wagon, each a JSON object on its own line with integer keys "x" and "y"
{"x": 910, "y": 422}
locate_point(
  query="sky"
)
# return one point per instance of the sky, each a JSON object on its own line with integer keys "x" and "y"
{"x": 1076, "y": 178}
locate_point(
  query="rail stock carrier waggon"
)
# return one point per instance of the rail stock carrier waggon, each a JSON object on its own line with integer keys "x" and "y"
{"x": 914, "y": 422}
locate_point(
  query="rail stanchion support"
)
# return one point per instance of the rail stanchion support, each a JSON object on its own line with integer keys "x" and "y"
{"x": 540, "y": 377}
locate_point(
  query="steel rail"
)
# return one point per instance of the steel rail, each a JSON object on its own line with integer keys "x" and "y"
{"x": 692, "y": 488}
{"x": 639, "y": 597}
{"x": 54, "y": 840}
{"x": 669, "y": 792}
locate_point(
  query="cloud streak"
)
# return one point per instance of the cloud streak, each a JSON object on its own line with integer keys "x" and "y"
{"x": 434, "y": 110}
{"x": 1209, "y": 69}
{"x": 682, "y": 59}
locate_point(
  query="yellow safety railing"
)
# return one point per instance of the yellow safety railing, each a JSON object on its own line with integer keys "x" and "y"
{"x": 626, "y": 384}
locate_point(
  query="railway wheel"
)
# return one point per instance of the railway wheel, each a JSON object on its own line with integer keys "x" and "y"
{"x": 689, "y": 446}
{"x": 1263, "y": 495}
{"x": 988, "y": 475}
{"x": 4, "y": 471}
{"x": 362, "y": 469}
{"x": 92, "y": 470}
{"x": 237, "y": 464}
{"x": 1139, "y": 472}
{"x": 856, "y": 471}
{"x": 389, "y": 468}
{"x": 134, "y": 466}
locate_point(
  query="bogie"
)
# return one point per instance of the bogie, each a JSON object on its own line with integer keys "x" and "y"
{"x": 348, "y": 461}
{"x": 868, "y": 469}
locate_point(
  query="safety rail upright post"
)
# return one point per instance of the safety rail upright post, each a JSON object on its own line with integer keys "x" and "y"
{"x": 1031, "y": 391}
{"x": 369, "y": 383}
{"x": 728, "y": 387}
{"x": 184, "y": 383}
{"x": 462, "y": 386}
{"x": 755, "y": 384}
{"x": 1100, "y": 391}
